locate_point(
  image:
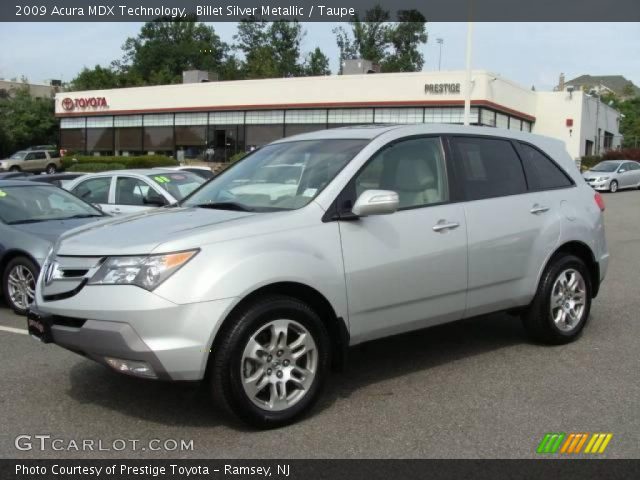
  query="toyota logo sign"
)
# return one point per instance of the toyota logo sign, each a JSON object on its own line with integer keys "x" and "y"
{"x": 67, "y": 104}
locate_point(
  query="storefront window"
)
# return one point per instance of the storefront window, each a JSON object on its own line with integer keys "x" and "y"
{"x": 302, "y": 128}
{"x": 515, "y": 124}
{"x": 350, "y": 115}
{"x": 223, "y": 142}
{"x": 259, "y": 135}
{"x": 487, "y": 117}
{"x": 100, "y": 141}
{"x": 399, "y": 115}
{"x": 72, "y": 139}
{"x": 158, "y": 140}
{"x": 502, "y": 120}
{"x": 128, "y": 141}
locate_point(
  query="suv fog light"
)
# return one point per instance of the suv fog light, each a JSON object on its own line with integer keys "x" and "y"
{"x": 131, "y": 367}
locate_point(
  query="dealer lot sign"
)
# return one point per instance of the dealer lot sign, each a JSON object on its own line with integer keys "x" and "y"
{"x": 84, "y": 103}
{"x": 441, "y": 88}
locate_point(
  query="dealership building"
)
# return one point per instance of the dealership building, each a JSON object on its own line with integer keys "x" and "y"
{"x": 215, "y": 120}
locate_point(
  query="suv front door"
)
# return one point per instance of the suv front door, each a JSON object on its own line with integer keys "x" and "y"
{"x": 405, "y": 270}
{"x": 35, "y": 161}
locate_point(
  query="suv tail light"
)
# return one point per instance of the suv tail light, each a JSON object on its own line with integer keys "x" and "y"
{"x": 599, "y": 201}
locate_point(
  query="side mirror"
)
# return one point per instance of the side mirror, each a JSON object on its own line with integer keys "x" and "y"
{"x": 97, "y": 205}
{"x": 376, "y": 202}
{"x": 622, "y": 170}
{"x": 155, "y": 200}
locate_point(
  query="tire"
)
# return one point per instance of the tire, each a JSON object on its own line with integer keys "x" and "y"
{"x": 233, "y": 363}
{"x": 538, "y": 318}
{"x": 19, "y": 279}
{"x": 51, "y": 169}
{"x": 613, "y": 186}
{"x": 15, "y": 168}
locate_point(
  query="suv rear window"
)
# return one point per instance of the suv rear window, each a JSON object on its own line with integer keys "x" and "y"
{"x": 542, "y": 173}
{"x": 488, "y": 167}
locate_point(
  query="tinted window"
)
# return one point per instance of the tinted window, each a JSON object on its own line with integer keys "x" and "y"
{"x": 40, "y": 155}
{"x": 95, "y": 190}
{"x": 542, "y": 173}
{"x": 488, "y": 168}
{"x": 414, "y": 169}
{"x": 634, "y": 166}
{"x": 30, "y": 156}
{"x": 131, "y": 191}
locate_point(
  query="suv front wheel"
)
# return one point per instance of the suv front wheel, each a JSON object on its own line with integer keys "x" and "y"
{"x": 271, "y": 361}
{"x": 560, "y": 309}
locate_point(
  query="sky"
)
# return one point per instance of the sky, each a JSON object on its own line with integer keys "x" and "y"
{"x": 532, "y": 54}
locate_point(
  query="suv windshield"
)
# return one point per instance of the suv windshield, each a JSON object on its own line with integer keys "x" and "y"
{"x": 30, "y": 203}
{"x": 178, "y": 184}
{"x": 606, "y": 167}
{"x": 18, "y": 155}
{"x": 282, "y": 176}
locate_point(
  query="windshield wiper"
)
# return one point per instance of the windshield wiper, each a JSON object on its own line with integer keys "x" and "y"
{"x": 226, "y": 206}
{"x": 29, "y": 220}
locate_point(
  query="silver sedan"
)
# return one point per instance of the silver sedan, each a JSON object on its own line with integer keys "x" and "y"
{"x": 612, "y": 175}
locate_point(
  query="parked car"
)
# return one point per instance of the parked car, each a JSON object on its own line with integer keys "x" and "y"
{"x": 613, "y": 175}
{"x": 204, "y": 172}
{"x": 62, "y": 180}
{"x": 13, "y": 175}
{"x": 32, "y": 217}
{"x": 390, "y": 229}
{"x": 128, "y": 191}
{"x": 32, "y": 161}
{"x": 43, "y": 147}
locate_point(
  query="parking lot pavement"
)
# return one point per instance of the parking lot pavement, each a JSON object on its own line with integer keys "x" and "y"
{"x": 475, "y": 388}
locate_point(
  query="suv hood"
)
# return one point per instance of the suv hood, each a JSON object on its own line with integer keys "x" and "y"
{"x": 141, "y": 233}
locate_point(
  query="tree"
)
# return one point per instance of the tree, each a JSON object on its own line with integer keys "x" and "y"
{"x": 392, "y": 45}
{"x": 270, "y": 49}
{"x": 630, "y": 124}
{"x": 316, "y": 64}
{"x": 26, "y": 120}
{"x": 98, "y": 78}
{"x": 405, "y": 38}
{"x": 165, "y": 47}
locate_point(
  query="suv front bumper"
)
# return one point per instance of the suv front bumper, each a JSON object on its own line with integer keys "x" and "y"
{"x": 173, "y": 340}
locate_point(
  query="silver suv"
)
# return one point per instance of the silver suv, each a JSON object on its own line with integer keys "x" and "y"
{"x": 387, "y": 229}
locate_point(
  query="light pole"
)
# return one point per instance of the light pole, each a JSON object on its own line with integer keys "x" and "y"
{"x": 440, "y": 41}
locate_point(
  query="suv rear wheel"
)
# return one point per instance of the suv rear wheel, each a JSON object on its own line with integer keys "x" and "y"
{"x": 271, "y": 362}
{"x": 561, "y": 307}
{"x": 51, "y": 169}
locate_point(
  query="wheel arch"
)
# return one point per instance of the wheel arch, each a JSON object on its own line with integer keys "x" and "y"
{"x": 336, "y": 326}
{"x": 584, "y": 252}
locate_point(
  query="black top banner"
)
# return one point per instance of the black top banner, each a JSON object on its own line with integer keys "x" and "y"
{"x": 318, "y": 10}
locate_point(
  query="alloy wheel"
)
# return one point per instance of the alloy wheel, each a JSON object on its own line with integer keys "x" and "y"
{"x": 21, "y": 287}
{"x": 279, "y": 365}
{"x": 568, "y": 300}
{"x": 613, "y": 187}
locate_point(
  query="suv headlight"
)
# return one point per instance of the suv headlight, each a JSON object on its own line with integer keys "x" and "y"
{"x": 146, "y": 271}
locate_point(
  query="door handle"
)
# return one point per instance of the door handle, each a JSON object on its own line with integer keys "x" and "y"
{"x": 443, "y": 226}
{"x": 536, "y": 209}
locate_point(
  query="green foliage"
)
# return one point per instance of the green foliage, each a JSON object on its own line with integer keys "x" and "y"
{"x": 237, "y": 156}
{"x": 393, "y": 45}
{"x": 96, "y": 167}
{"x": 166, "y": 47}
{"x": 98, "y": 78}
{"x": 316, "y": 64}
{"x": 630, "y": 124}
{"x": 77, "y": 162}
{"x": 271, "y": 50}
{"x": 589, "y": 161}
{"x": 25, "y": 121}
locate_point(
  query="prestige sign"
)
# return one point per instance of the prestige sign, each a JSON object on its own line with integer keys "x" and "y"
{"x": 438, "y": 88}
{"x": 83, "y": 103}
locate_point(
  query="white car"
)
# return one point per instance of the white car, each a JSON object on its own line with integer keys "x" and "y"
{"x": 204, "y": 172}
{"x": 129, "y": 191}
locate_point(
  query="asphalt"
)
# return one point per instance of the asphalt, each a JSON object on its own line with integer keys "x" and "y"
{"x": 472, "y": 389}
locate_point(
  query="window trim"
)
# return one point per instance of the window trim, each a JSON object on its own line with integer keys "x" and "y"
{"x": 335, "y": 213}
{"x": 520, "y": 153}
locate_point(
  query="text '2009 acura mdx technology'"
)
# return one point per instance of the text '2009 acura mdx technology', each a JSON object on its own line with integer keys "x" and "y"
{"x": 258, "y": 283}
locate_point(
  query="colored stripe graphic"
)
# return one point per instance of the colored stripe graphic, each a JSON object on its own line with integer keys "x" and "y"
{"x": 550, "y": 443}
{"x": 573, "y": 443}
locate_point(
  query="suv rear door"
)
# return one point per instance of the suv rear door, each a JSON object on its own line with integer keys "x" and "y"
{"x": 409, "y": 269}
{"x": 35, "y": 161}
{"x": 511, "y": 230}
